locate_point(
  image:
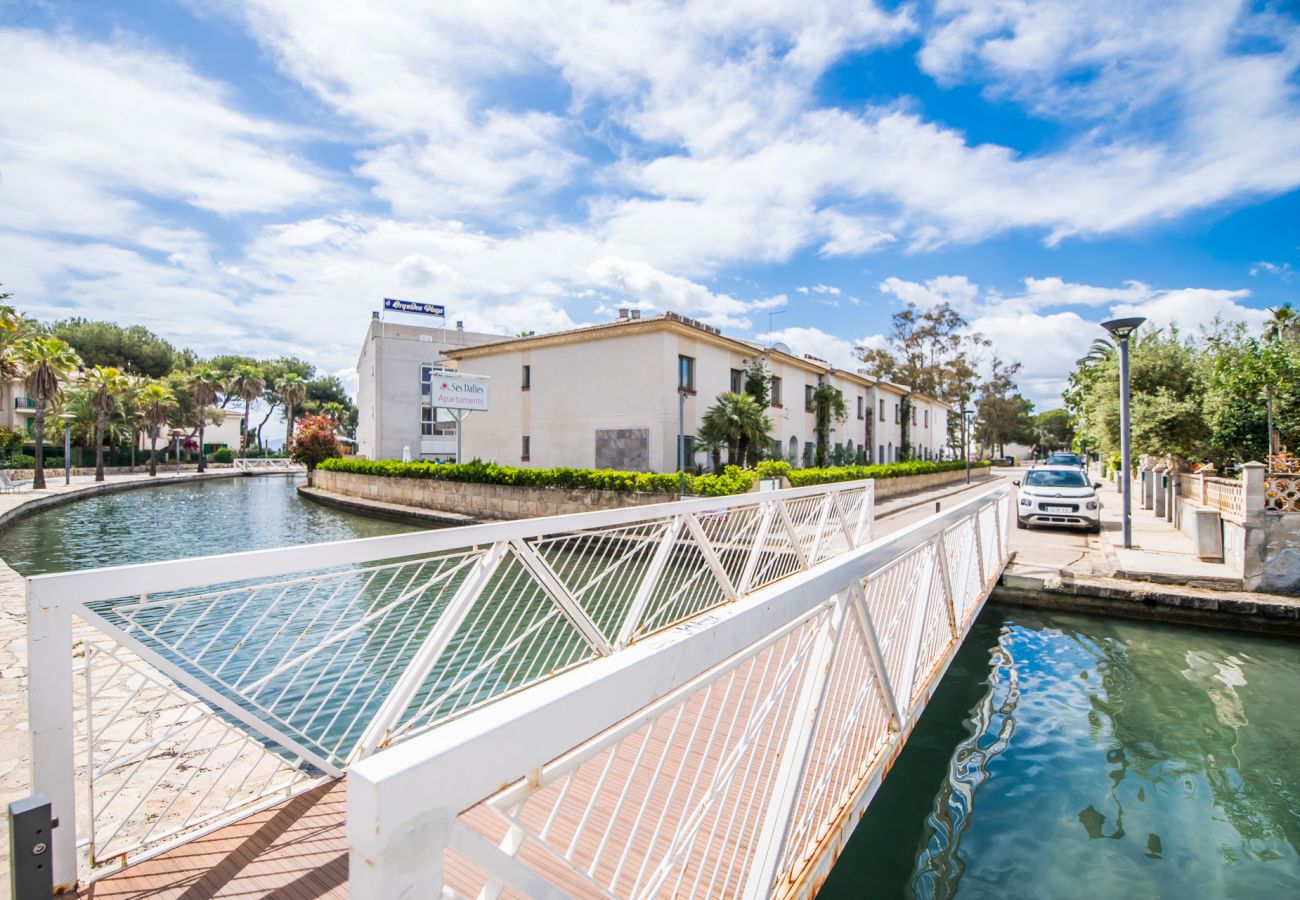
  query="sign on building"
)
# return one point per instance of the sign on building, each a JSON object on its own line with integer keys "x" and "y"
{"x": 416, "y": 306}
{"x": 456, "y": 391}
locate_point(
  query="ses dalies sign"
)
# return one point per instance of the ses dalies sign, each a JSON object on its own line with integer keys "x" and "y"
{"x": 455, "y": 391}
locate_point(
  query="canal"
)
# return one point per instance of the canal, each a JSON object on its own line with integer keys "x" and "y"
{"x": 1063, "y": 756}
{"x": 1071, "y": 756}
{"x": 199, "y": 518}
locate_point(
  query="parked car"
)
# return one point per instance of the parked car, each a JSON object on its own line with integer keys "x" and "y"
{"x": 1058, "y": 495}
{"x": 1065, "y": 459}
{"x": 1004, "y": 460}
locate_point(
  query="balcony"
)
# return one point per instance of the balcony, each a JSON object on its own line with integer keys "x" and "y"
{"x": 24, "y": 403}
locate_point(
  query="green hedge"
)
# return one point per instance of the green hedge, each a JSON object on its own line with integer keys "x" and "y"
{"x": 733, "y": 480}
{"x": 805, "y": 477}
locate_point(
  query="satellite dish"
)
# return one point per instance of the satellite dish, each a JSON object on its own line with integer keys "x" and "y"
{"x": 784, "y": 348}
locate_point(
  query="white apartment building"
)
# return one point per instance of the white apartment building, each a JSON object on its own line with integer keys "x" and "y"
{"x": 607, "y": 396}
{"x": 393, "y": 377}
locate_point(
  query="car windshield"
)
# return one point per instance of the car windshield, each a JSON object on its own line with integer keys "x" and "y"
{"x": 1064, "y": 459}
{"x": 1054, "y": 478}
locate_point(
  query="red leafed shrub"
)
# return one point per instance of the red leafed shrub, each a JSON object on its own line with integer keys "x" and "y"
{"x": 314, "y": 441}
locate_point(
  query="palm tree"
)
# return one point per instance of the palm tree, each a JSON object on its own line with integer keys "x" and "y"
{"x": 204, "y": 384}
{"x": 156, "y": 404}
{"x": 1101, "y": 349}
{"x": 104, "y": 383}
{"x": 248, "y": 383}
{"x": 46, "y": 362}
{"x": 738, "y": 420}
{"x": 1284, "y": 325}
{"x": 712, "y": 444}
{"x": 293, "y": 390}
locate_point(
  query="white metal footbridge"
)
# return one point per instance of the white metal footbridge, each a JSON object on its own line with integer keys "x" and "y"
{"x": 696, "y": 698}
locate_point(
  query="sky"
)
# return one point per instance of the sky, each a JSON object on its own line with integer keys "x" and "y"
{"x": 254, "y": 176}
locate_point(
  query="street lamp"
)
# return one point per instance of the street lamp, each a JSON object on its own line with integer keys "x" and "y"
{"x": 68, "y": 418}
{"x": 1122, "y": 330}
{"x": 966, "y": 426}
{"x": 176, "y": 436}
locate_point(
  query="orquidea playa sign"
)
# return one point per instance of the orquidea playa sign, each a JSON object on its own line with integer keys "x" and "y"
{"x": 460, "y": 391}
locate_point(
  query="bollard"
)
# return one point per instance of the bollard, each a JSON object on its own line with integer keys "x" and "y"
{"x": 31, "y": 867}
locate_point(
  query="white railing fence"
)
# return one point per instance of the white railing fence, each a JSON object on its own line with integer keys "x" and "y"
{"x": 199, "y": 690}
{"x": 730, "y": 756}
{"x": 258, "y": 464}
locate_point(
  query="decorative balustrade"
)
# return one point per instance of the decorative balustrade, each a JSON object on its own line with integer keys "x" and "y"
{"x": 1225, "y": 495}
{"x": 267, "y": 463}
{"x": 730, "y": 757}
{"x": 1282, "y": 492}
{"x": 200, "y": 690}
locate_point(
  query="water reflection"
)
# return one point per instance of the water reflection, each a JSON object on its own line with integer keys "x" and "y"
{"x": 1099, "y": 758}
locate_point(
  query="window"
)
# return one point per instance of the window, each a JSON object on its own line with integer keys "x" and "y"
{"x": 737, "y": 381}
{"x": 686, "y": 373}
{"x": 527, "y": 381}
{"x": 426, "y": 381}
{"x": 861, "y": 408}
{"x": 526, "y": 447}
{"x": 685, "y": 451}
{"x": 927, "y": 418}
{"x": 913, "y": 414}
{"x": 426, "y": 420}
{"x": 808, "y": 391}
{"x": 776, "y": 391}
{"x": 897, "y": 418}
{"x": 880, "y": 452}
{"x": 882, "y": 410}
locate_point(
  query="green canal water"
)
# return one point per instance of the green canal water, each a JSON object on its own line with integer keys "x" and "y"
{"x": 1062, "y": 756}
{"x": 1073, "y": 756}
{"x": 201, "y": 518}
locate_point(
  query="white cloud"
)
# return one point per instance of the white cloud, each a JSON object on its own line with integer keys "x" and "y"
{"x": 652, "y": 289}
{"x": 85, "y": 128}
{"x": 835, "y": 350}
{"x": 956, "y": 290}
{"x": 1279, "y": 270}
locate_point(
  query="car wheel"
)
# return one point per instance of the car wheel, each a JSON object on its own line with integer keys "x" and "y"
{"x": 1021, "y": 523}
{"x": 1095, "y": 528}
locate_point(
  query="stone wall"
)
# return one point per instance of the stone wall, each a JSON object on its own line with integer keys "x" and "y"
{"x": 495, "y": 501}
{"x": 482, "y": 501}
{"x": 142, "y": 466}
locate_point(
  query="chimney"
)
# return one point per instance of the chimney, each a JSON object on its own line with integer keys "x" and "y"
{"x": 622, "y": 313}
{"x": 636, "y": 313}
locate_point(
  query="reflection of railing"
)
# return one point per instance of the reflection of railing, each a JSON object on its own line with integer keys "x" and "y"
{"x": 262, "y": 463}
{"x": 210, "y": 687}
{"x": 731, "y": 756}
{"x": 1282, "y": 492}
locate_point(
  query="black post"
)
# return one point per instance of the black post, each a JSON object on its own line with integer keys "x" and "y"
{"x": 31, "y": 865}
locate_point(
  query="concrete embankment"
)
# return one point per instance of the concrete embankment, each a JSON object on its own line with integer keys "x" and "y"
{"x": 1240, "y": 610}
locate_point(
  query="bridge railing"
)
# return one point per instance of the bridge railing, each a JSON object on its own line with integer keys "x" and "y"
{"x": 259, "y": 463}
{"x": 175, "y": 697}
{"x": 730, "y": 756}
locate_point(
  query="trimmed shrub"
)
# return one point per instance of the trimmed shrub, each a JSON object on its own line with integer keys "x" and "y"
{"x": 805, "y": 477}
{"x": 18, "y": 461}
{"x": 223, "y": 455}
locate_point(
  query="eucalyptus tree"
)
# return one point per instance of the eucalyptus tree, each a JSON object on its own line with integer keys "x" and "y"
{"x": 205, "y": 384}
{"x": 104, "y": 384}
{"x": 156, "y": 404}
{"x": 46, "y": 364}
{"x": 247, "y": 382}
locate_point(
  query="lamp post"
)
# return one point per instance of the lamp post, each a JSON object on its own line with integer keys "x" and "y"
{"x": 68, "y": 419}
{"x": 176, "y": 447}
{"x": 681, "y": 442}
{"x": 966, "y": 416}
{"x": 1122, "y": 330}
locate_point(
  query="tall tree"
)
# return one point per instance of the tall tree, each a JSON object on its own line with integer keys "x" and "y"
{"x": 738, "y": 419}
{"x": 292, "y": 388}
{"x": 248, "y": 383}
{"x": 132, "y": 348}
{"x": 104, "y": 383}
{"x": 156, "y": 404}
{"x": 928, "y": 351}
{"x": 1003, "y": 414}
{"x": 46, "y": 364}
{"x": 204, "y": 384}
{"x": 829, "y": 410}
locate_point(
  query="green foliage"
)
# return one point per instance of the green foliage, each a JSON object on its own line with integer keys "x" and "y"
{"x": 1003, "y": 415}
{"x": 738, "y": 422}
{"x": 18, "y": 461}
{"x": 828, "y": 409}
{"x": 758, "y": 381}
{"x": 1053, "y": 430}
{"x": 805, "y": 477}
{"x": 132, "y": 349}
{"x": 223, "y": 455}
{"x": 773, "y": 468}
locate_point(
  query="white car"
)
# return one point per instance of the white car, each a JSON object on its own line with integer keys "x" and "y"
{"x": 1058, "y": 495}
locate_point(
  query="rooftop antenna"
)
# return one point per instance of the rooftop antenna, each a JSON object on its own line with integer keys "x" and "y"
{"x": 770, "y": 314}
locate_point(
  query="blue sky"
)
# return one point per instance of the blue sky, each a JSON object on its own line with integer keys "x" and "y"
{"x": 254, "y": 175}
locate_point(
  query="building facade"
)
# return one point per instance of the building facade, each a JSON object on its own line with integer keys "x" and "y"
{"x": 610, "y": 396}
{"x": 394, "y": 373}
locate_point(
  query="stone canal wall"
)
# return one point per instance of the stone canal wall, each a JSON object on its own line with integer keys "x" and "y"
{"x": 480, "y": 501}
